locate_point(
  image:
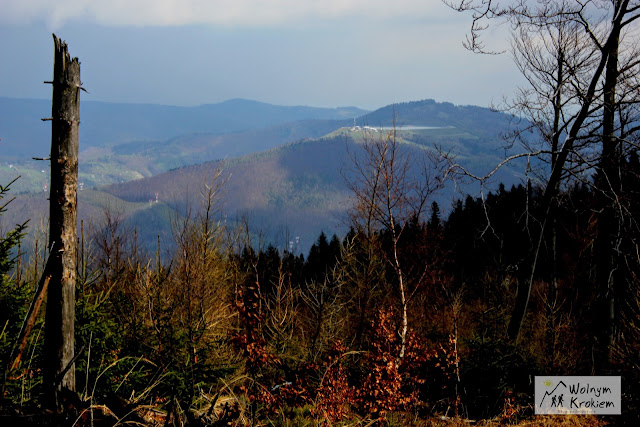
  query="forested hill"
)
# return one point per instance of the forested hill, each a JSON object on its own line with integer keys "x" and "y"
{"x": 287, "y": 177}
{"x": 478, "y": 120}
{"x": 300, "y": 189}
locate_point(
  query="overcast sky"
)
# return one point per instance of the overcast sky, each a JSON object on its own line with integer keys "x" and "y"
{"x": 364, "y": 53}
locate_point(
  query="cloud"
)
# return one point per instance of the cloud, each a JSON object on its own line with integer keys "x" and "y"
{"x": 229, "y": 13}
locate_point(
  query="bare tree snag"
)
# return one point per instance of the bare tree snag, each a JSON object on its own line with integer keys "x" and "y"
{"x": 60, "y": 316}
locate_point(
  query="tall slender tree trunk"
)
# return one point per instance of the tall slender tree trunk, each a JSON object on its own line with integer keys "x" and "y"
{"x": 608, "y": 221}
{"x": 59, "y": 372}
{"x": 550, "y": 192}
{"x": 553, "y": 282}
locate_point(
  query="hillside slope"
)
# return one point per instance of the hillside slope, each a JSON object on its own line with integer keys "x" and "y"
{"x": 295, "y": 190}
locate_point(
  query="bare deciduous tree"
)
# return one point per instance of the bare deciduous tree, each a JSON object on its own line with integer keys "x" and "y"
{"x": 388, "y": 192}
{"x": 580, "y": 62}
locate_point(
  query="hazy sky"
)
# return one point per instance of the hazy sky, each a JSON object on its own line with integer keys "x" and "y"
{"x": 365, "y": 53}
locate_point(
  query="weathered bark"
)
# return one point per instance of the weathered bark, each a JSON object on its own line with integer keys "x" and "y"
{"x": 60, "y": 316}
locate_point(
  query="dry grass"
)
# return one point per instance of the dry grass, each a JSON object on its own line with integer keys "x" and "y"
{"x": 536, "y": 421}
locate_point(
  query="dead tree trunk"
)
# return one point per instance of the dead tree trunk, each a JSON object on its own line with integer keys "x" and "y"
{"x": 60, "y": 316}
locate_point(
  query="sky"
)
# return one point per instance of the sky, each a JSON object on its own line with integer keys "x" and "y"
{"x": 324, "y": 53}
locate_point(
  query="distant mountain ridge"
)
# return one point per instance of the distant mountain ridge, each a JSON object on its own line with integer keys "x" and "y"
{"x": 286, "y": 177}
{"x": 122, "y": 142}
{"x": 102, "y": 123}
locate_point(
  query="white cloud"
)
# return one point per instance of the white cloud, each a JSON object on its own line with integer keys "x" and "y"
{"x": 243, "y": 13}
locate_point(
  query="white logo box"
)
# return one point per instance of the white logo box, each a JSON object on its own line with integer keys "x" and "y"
{"x": 598, "y": 395}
